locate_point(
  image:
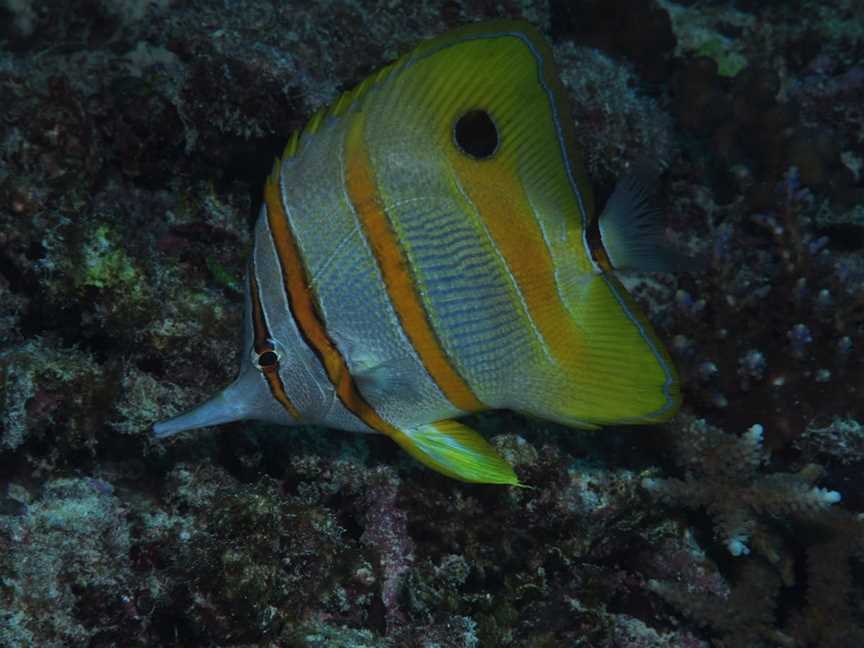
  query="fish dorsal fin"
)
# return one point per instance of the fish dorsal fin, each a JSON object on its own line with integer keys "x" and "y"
{"x": 496, "y": 80}
{"x": 503, "y": 68}
{"x": 342, "y": 105}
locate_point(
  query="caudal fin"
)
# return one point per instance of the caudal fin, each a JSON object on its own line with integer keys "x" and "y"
{"x": 631, "y": 229}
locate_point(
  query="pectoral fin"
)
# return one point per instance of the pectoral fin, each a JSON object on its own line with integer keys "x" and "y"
{"x": 458, "y": 452}
{"x": 382, "y": 380}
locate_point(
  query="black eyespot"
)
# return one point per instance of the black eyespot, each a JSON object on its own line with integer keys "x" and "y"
{"x": 476, "y": 134}
{"x": 267, "y": 359}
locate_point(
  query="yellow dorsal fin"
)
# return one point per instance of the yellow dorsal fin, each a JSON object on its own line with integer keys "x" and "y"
{"x": 293, "y": 143}
{"x": 463, "y": 35}
{"x": 342, "y": 105}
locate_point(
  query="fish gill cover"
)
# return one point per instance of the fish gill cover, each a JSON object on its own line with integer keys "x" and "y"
{"x": 134, "y": 143}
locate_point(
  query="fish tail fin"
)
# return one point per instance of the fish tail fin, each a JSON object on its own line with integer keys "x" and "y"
{"x": 631, "y": 228}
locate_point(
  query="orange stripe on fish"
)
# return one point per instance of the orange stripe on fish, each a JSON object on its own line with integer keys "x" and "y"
{"x": 508, "y": 217}
{"x": 307, "y": 315}
{"x": 263, "y": 345}
{"x": 363, "y": 193}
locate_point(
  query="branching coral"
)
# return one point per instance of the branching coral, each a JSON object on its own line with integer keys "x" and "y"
{"x": 842, "y": 440}
{"x": 722, "y": 477}
{"x": 747, "y": 615}
{"x": 751, "y": 508}
{"x": 750, "y": 613}
{"x": 829, "y": 618}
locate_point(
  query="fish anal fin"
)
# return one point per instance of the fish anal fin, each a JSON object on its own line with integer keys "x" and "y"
{"x": 457, "y": 451}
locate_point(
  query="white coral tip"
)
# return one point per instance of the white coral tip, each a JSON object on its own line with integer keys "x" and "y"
{"x": 737, "y": 547}
{"x": 756, "y": 432}
{"x": 828, "y": 497}
{"x": 650, "y": 484}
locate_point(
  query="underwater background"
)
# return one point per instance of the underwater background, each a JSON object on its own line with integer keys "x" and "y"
{"x": 135, "y": 138}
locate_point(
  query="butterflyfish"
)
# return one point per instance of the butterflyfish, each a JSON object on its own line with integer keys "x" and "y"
{"x": 427, "y": 248}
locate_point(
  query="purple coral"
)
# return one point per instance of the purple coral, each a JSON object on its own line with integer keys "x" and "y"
{"x": 387, "y": 533}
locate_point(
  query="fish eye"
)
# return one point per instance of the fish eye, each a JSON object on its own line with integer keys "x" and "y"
{"x": 476, "y": 135}
{"x": 266, "y": 360}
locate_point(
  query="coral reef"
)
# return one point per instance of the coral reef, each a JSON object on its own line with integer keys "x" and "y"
{"x": 841, "y": 439}
{"x": 134, "y": 141}
{"x": 723, "y": 479}
{"x": 70, "y": 547}
{"x": 764, "y": 510}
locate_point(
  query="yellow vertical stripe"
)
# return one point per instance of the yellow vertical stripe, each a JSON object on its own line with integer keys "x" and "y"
{"x": 401, "y": 287}
{"x": 261, "y": 343}
{"x": 306, "y": 314}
